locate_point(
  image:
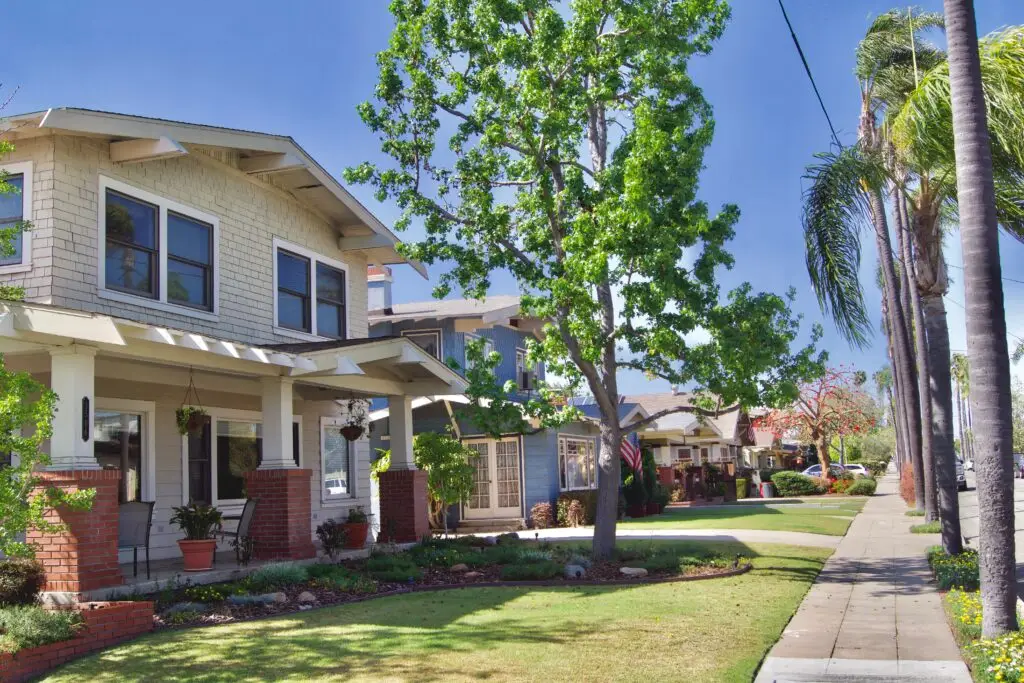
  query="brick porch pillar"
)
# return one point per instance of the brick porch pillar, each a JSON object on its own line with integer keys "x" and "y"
{"x": 281, "y": 527}
{"x": 83, "y": 557}
{"x": 403, "y": 488}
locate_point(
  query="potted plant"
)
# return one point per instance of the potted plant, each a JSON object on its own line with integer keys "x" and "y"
{"x": 198, "y": 521}
{"x": 190, "y": 420}
{"x": 357, "y": 418}
{"x": 357, "y": 527}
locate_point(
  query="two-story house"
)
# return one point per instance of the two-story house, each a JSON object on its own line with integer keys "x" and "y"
{"x": 175, "y": 264}
{"x": 517, "y": 470}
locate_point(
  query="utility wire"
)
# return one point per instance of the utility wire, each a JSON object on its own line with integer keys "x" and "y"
{"x": 807, "y": 68}
{"x": 1005, "y": 279}
{"x": 1011, "y": 334}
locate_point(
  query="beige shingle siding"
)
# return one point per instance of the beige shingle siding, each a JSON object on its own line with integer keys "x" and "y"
{"x": 251, "y": 213}
{"x": 37, "y": 282}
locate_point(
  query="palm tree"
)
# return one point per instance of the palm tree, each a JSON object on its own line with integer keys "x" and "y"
{"x": 986, "y": 320}
{"x": 959, "y": 372}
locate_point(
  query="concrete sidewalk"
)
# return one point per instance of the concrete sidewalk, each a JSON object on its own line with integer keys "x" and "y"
{"x": 872, "y": 614}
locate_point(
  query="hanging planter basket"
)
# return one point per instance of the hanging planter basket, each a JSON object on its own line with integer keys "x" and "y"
{"x": 352, "y": 432}
{"x": 191, "y": 415}
{"x": 357, "y": 421}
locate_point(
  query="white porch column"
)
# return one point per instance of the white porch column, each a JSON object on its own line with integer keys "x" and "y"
{"x": 73, "y": 379}
{"x": 277, "y": 424}
{"x": 400, "y": 417}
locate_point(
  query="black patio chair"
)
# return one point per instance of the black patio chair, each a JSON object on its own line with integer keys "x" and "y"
{"x": 134, "y": 520}
{"x": 242, "y": 530}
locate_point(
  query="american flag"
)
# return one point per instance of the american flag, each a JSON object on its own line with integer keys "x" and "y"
{"x": 631, "y": 451}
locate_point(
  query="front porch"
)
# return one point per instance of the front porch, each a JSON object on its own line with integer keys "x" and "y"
{"x": 271, "y": 432}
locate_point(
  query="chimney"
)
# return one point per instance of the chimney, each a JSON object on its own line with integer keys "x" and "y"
{"x": 378, "y": 286}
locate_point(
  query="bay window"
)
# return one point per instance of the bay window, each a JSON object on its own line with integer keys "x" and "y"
{"x": 310, "y": 293}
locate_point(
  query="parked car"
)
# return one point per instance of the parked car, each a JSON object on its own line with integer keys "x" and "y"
{"x": 815, "y": 470}
{"x": 961, "y": 478}
{"x": 856, "y": 469}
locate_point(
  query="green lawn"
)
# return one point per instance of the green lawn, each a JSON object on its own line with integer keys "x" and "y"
{"x": 831, "y": 517}
{"x": 716, "y": 630}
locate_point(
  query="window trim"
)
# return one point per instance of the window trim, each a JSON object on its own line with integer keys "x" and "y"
{"x": 427, "y": 330}
{"x": 147, "y": 409}
{"x": 164, "y": 205}
{"x": 228, "y": 505}
{"x": 327, "y": 500}
{"x": 23, "y": 168}
{"x": 558, "y": 454}
{"x": 468, "y": 337}
{"x": 314, "y": 258}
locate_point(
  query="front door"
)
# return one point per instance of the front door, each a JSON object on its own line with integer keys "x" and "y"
{"x": 496, "y": 483}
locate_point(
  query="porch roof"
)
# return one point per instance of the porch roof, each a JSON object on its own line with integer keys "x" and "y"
{"x": 363, "y": 367}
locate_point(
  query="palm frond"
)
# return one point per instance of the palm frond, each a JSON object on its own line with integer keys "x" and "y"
{"x": 835, "y": 209}
{"x": 891, "y": 49}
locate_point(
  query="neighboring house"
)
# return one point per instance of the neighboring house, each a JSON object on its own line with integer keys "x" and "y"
{"x": 517, "y": 470}
{"x": 690, "y": 439}
{"x": 165, "y": 255}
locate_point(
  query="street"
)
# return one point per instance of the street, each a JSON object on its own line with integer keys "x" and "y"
{"x": 969, "y": 521}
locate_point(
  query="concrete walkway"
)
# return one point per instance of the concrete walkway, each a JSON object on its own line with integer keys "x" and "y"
{"x": 741, "y": 535}
{"x": 872, "y": 614}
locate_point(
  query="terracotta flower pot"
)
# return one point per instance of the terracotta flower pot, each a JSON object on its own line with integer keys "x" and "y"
{"x": 197, "y": 555}
{"x": 355, "y": 534}
{"x": 195, "y": 424}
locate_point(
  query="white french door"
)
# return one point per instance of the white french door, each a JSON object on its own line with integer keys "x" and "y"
{"x": 496, "y": 483}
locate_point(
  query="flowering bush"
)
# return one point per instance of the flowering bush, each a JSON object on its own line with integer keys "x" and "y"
{"x": 955, "y": 571}
{"x": 965, "y": 610}
{"x": 1000, "y": 659}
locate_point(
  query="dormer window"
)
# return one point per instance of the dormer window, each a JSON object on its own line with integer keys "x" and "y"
{"x": 311, "y": 293}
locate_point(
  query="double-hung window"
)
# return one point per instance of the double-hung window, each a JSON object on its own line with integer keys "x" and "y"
{"x": 16, "y": 209}
{"x": 156, "y": 252}
{"x": 336, "y": 462}
{"x": 577, "y": 468}
{"x": 311, "y": 293}
{"x": 488, "y": 349}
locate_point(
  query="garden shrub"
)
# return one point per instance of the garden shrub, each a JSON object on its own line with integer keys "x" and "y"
{"x": 431, "y": 555}
{"x": 965, "y": 609}
{"x": 277, "y": 575}
{"x": 332, "y": 535}
{"x": 534, "y": 571}
{"x": 878, "y": 467}
{"x": 955, "y": 571}
{"x": 206, "y": 593}
{"x": 510, "y": 538}
{"x": 23, "y": 626}
{"x": 841, "y": 485}
{"x": 393, "y": 568}
{"x": 588, "y": 502}
{"x": 907, "y": 484}
{"x": 533, "y": 556}
{"x": 575, "y": 516}
{"x": 542, "y": 515}
{"x": 341, "y": 578}
{"x": 862, "y": 487}
{"x": 768, "y": 473}
{"x": 20, "y": 581}
{"x": 794, "y": 484}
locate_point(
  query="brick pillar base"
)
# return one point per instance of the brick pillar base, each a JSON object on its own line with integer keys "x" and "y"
{"x": 281, "y": 527}
{"x": 83, "y": 557}
{"x": 403, "y": 506}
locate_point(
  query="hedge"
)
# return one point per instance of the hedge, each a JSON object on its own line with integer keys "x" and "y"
{"x": 794, "y": 484}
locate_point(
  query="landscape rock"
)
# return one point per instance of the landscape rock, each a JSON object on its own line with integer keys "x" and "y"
{"x": 473, "y": 575}
{"x": 303, "y": 608}
{"x": 306, "y": 597}
{"x": 278, "y": 598}
{"x": 574, "y": 571}
{"x": 461, "y": 567}
{"x": 634, "y": 572}
{"x": 581, "y": 561}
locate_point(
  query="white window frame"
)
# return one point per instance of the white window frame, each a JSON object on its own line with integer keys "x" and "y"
{"x": 147, "y": 409}
{"x": 314, "y": 258}
{"x": 23, "y": 168}
{"x": 436, "y": 331}
{"x": 520, "y": 367}
{"x": 345, "y": 500}
{"x": 469, "y": 336}
{"x": 163, "y": 205}
{"x": 564, "y": 439}
{"x": 230, "y": 505}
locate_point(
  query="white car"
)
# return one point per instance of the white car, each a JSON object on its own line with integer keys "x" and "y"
{"x": 857, "y": 469}
{"x": 815, "y": 470}
{"x": 961, "y": 478}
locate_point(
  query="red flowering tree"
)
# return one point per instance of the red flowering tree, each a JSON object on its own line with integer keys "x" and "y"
{"x": 830, "y": 406}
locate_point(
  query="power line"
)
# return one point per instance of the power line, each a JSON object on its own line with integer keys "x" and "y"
{"x": 807, "y": 68}
{"x": 949, "y": 298}
{"x": 1005, "y": 279}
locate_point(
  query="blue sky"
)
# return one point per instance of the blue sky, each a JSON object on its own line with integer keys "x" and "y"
{"x": 301, "y": 68}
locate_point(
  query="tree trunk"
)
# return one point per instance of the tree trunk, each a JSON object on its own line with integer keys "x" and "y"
{"x": 609, "y": 474}
{"x": 821, "y": 443}
{"x": 986, "y": 322}
{"x": 942, "y": 421}
{"x": 898, "y": 412}
{"x": 960, "y": 421}
{"x": 913, "y": 301}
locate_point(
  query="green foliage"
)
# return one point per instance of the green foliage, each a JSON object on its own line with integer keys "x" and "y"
{"x": 25, "y": 626}
{"x": 562, "y": 143}
{"x": 380, "y": 464}
{"x": 356, "y": 515}
{"x": 582, "y": 514}
{"x": 26, "y": 422}
{"x": 340, "y": 578}
{"x": 794, "y": 484}
{"x": 207, "y": 593}
{"x": 1017, "y": 414}
{"x": 998, "y": 660}
{"x": 393, "y": 568}
{"x": 862, "y": 487}
{"x": 872, "y": 447}
{"x": 955, "y": 571}
{"x": 332, "y": 535}
{"x": 532, "y": 571}
{"x": 197, "y": 520}
{"x": 965, "y": 612}
{"x": 914, "y": 513}
{"x": 927, "y": 528}
{"x": 20, "y": 581}
{"x": 277, "y": 575}
{"x": 183, "y": 617}
{"x": 185, "y": 413}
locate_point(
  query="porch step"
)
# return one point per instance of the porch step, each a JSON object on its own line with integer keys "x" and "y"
{"x": 481, "y": 526}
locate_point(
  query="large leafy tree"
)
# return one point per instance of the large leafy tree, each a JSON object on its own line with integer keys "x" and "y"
{"x": 562, "y": 141}
{"x": 987, "y": 347}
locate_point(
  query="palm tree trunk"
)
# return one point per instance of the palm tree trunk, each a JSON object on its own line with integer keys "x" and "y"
{"x": 986, "y": 322}
{"x": 913, "y": 299}
{"x": 960, "y": 421}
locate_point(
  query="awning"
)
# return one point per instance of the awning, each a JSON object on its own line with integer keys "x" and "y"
{"x": 352, "y": 367}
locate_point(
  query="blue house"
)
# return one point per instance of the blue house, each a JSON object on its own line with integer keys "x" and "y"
{"x": 517, "y": 470}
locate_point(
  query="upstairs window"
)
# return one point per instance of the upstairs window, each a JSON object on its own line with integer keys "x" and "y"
{"x": 428, "y": 340}
{"x": 157, "y": 250}
{"x": 311, "y": 293}
{"x": 15, "y": 208}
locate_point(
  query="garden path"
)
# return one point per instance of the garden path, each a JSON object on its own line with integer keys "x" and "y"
{"x": 741, "y": 535}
